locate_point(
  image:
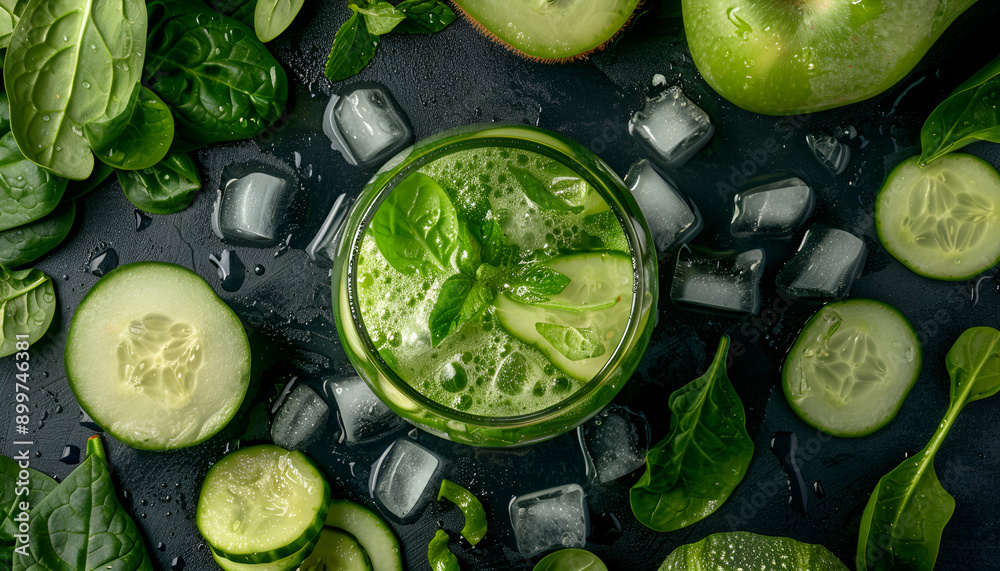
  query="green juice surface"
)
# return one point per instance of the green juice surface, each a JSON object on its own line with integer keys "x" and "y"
{"x": 521, "y": 352}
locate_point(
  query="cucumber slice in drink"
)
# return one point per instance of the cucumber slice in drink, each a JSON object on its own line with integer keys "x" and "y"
{"x": 370, "y": 531}
{"x": 290, "y": 563}
{"x": 941, "y": 220}
{"x": 579, "y": 329}
{"x": 156, "y": 358}
{"x": 338, "y": 550}
{"x": 262, "y": 504}
{"x": 852, "y": 366}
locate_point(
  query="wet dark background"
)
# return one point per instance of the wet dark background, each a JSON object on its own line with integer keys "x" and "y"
{"x": 457, "y": 78}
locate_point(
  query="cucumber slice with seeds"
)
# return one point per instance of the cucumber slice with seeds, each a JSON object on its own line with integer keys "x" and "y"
{"x": 337, "y": 550}
{"x": 156, "y": 358}
{"x": 262, "y": 504}
{"x": 290, "y": 563}
{"x": 941, "y": 220}
{"x": 852, "y": 366}
{"x": 370, "y": 531}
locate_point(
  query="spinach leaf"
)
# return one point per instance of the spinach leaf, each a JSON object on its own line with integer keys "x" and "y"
{"x": 242, "y": 10}
{"x": 461, "y": 298}
{"x": 11, "y": 497}
{"x": 271, "y": 17}
{"x": 353, "y": 47}
{"x": 27, "y": 305}
{"x": 571, "y": 560}
{"x": 164, "y": 188}
{"x": 738, "y": 550}
{"x": 27, "y": 191}
{"x": 27, "y": 243}
{"x": 134, "y": 140}
{"x": 215, "y": 75}
{"x": 536, "y": 284}
{"x": 380, "y": 17}
{"x": 4, "y": 113}
{"x": 417, "y": 226}
{"x": 692, "y": 471}
{"x": 439, "y": 556}
{"x": 81, "y": 526}
{"x": 969, "y": 114}
{"x": 424, "y": 16}
{"x": 77, "y": 188}
{"x": 575, "y": 344}
{"x": 539, "y": 194}
{"x": 497, "y": 249}
{"x": 71, "y": 63}
{"x": 905, "y": 517}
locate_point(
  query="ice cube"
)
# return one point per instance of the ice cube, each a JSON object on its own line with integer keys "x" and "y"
{"x": 828, "y": 261}
{"x": 672, "y": 127}
{"x": 830, "y": 152}
{"x": 672, "y": 219}
{"x": 250, "y": 209}
{"x": 362, "y": 416}
{"x": 366, "y": 124}
{"x": 615, "y": 443}
{"x": 718, "y": 281}
{"x": 401, "y": 478}
{"x": 300, "y": 419}
{"x": 325, "y": 241}
{"x": 777, "y": 209}
{"x": 552, "y": 518}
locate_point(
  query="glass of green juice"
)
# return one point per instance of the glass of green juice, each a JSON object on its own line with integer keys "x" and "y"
{"x": 495, "y": 285}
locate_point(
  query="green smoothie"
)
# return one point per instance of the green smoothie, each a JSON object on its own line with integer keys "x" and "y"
{"x": 495, "y": 281}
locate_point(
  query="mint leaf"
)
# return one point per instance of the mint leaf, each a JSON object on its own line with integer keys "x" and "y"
{"x": 497, "y": 249}
{"x": 424, "y": 16}
{"x": 459, "y": 300}
{"x": 469, "y": 252}
{"x": 417, "y": 226}
{"x": 539, "y": 194}
{"x": 536, "y": 284}
{"x": 380, "y": 17}
{"x": 353, "y": 47}
{"x": 575, "y": 344}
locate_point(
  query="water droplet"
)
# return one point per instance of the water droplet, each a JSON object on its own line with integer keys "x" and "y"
{"x": 230, "y": 268}
{"x": 259, "y": 269}
{"x": 86, "y": 85}
{"x": 142, "y": 220}
{"x": 46, "y": 118}
{"x": 103, "y": 262}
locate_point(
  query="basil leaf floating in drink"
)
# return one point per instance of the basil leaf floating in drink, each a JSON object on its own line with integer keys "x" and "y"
{"x": 81, "y": 525}
{"x": 27, "y": 305}
{"x": 424, "y": 16}
{"x": 969, "y": 114}
{"x": 271, "y": 17}
{"x": 71, "y": 63}
{"x": 704, "y": 457}
{"x": 417, "y": 226}
{"x": 218, "y": 79}
{"x": 905, "y": 517}
{"x": 136, "y": 139}
{"x": 575, "y": 344}
{"x": 460, "y": 300}
{"x": 353, "y": 47}
{"x": 475, "y": 516}
{"x": 165, "y": 188}
{"x": 539, "y": 194}
{"x": 537, "y": 284}
{"x": 27, "y": 191}
{"x": 497, "y": 249}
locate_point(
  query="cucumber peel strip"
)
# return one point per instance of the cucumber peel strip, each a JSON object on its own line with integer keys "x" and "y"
{"x": 475, "y": 516}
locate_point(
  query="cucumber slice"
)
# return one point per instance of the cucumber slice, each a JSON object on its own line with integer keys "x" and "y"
{"x": 261, "y": 504}
{"x": 370, "y": 531}
{"x": 290, "y": 563}
{"x": 852, "y": 366}
{"x": 941, "y": 220}
{"x": 579, "y": 329}
{"x": 337, "y": 550}
{"x": 156, "y": 358}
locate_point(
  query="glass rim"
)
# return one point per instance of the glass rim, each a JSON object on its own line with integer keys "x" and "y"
{"x": 599, "y": 176}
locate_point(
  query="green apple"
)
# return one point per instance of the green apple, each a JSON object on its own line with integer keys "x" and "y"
{"x": 782, "y": 57}
{"x": 550, "y": 30}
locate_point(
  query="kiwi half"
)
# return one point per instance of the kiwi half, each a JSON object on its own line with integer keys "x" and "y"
{"x": 549, "y": 30}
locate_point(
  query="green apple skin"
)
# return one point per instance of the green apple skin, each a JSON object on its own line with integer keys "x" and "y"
{"x": 785, "y": 57}
{"x": 550, "y": 30}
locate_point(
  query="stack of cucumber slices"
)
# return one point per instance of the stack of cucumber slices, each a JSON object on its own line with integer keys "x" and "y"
{"x": 264, "y": 508}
